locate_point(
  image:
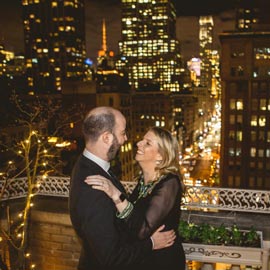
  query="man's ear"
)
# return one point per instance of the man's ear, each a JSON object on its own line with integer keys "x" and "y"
{"x": 107, "y": 137}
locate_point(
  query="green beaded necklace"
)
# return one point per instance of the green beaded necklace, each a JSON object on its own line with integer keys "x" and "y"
{"x": 145, "y": 189}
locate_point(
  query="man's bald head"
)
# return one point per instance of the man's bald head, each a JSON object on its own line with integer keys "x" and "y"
{"x": 98, "y": 121}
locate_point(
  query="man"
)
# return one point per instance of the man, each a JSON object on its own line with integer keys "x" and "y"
{"x": 105, "y": 241}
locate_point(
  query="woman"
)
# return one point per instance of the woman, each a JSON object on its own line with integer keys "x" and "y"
{"x": 156, "y": 198}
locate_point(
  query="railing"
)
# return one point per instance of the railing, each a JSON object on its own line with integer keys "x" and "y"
{"x": 195, "y": 197}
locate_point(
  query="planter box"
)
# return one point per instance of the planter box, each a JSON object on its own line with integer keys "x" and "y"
{"x": 223, "y": 254}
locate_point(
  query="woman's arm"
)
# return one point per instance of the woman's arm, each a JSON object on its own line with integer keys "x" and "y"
{"x": 149, "y": 213}
{"x": 101, "y": 183}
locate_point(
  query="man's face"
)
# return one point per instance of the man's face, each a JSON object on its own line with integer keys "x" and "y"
{"x": 119, "y": 136}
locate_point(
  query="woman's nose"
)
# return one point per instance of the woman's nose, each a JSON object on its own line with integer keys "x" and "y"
{"x": 139, "y": 143}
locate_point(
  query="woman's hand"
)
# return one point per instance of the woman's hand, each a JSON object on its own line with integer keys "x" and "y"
{"x": 163, "y": 239}
{"x": 101, "y": 183}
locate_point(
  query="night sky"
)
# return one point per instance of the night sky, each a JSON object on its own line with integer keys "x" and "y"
{"x": 11, "y": 30}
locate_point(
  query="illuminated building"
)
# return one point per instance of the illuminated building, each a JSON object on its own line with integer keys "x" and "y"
{"x": 206, "y": 47}
{"x": 251, "y": 15}
{"x": 5, "y": 56}
{"x": 105, "y": 58}
{"x": 12, "y": 72}
{"x": 215, "y": 72}
{"x": 149, "y": 50}
{"x": 152, "y": 109}
{"x": 245, "y": 133}
{"x": 54, "y": 33}
{"x": 194, "y": 66}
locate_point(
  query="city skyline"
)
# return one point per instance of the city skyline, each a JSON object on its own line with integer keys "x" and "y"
{"x": 187, "y": 25}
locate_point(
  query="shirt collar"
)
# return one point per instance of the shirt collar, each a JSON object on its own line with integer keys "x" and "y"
{"x": 105, "y": 165}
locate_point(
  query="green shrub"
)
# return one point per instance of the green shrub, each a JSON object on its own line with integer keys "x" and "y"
{"x": 221, "y": 235}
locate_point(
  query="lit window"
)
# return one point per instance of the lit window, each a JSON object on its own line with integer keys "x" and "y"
{"x": 253, "y": 152}
{"x": 231, "y": 152}
{"x": 263, "y": 104}
{"x": 262, "y": 121}
{"x": 253, "y": 121}
{"x": 239, "y": 136}
{"x": 239, "y": 105}
{"x": 238, "y": 152}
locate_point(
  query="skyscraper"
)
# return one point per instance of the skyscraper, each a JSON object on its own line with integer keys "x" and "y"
{"x": 245, "y": 135}
{"x": 150, "y": 52}
{"x": 54, "y": 33}
{"x": 206, "y": 48}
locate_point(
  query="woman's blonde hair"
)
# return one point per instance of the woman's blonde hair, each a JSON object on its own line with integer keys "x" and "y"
{"x": 169, "y": 150}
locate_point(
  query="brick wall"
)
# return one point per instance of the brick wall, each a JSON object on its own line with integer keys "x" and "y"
{"x": 53, "y": 243}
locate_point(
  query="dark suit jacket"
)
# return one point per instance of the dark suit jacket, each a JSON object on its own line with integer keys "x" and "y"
{"x": 105, "y": 244}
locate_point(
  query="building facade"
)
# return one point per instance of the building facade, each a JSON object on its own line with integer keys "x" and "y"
{"x": 206, "y": 47}
{"x": 245, "y": 136}
{"x": 245, "y": 74}
{"x": 149, "y": 50}
{"x": 54, "y": 34}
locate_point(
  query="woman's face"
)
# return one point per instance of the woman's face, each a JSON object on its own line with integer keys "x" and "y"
{"x": 148, "y": 149}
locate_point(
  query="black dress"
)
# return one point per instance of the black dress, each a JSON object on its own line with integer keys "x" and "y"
{"x": 159, "y": 206}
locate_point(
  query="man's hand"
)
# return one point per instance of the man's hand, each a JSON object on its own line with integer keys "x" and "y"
{"x": 163, "y": 239}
